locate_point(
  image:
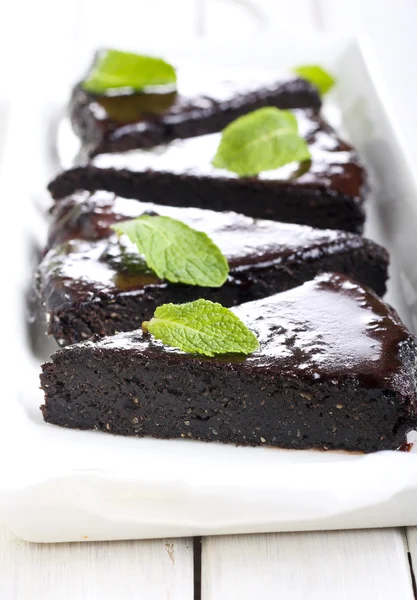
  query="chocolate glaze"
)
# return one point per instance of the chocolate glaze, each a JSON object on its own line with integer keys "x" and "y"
{"x": 107, "y": 265}
{"x": 245, "y": 242}
{"x": 335, "y": 369}
{"x": 327, "y": 191}
{"x": 334, "y": 163}
{"x": 328, "y": 328}
{"x": 131, "y": 108}
{"x": 406, "y": 447}
{"x": 331, "y": 327}
{"x": 80, "y": 272}
{"x": 114, "y": 123}
{"x": 92, "y": 271}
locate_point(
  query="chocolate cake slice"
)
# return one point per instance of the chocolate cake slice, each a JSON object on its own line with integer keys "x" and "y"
{"x": 335, "y": 370}
{"x": 94, "y": 283}
{"x": 326, "y": 192}
{"x": 115, "y": 123}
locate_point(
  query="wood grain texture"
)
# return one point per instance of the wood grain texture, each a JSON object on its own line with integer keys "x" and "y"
{"x": 411, "y": 533}
{"x": 146, "y": 570}
{"x": 350, "y": 565}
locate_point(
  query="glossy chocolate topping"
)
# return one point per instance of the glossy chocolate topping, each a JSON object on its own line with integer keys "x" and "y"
{"x": 331, "y": 326}
{"x": 201, "y": 105}
{"x": 243, "y": 240}
{"x": 81, "y": 271}
{"x": 334, "y": 164}
{"x": 132, "y": 108}
{"x": 195, "y": 97}
{"x": 78, "y": 269}
{"x": 328, "y": 328}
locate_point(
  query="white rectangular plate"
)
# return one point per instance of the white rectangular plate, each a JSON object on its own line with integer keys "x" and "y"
{"x": 64, "y": 485}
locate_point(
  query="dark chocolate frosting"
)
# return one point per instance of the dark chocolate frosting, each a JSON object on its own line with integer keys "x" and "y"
{"x": 326, "y": 192}
{"x": 98, "y": 264}
{"x": 112, "y": 122}
{"x": 326, "y": 330}
{"x": 334, "y": 164}
{"x": 243, "y": 240}
{"x": 330, "y": 327}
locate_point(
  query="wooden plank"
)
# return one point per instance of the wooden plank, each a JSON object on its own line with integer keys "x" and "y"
{"x": 411, "y": 533}
{"x": 148, "y": 570}
{"x": 334, "y": 565}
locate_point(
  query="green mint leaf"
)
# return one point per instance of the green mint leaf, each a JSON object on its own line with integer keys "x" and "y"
{"x": 115, "y": 69}
{"x": 175, "y": 251}
{"x": 262, "y": 140}
{"x": 317, "y": 76}
{"x": 201, "y": 327}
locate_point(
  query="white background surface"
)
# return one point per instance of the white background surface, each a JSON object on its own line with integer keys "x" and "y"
{"x": 345, "y": 565}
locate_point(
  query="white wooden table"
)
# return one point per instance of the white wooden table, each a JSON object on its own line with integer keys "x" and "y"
{"x": 355, "y": 565}
{"x": 349, "y": 565}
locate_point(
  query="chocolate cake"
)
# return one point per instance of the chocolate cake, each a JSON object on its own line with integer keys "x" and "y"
{"x": 335, "y": 370}
{"x": 94, "y": 283}
{"x": 115, "y": 123}
{"x": 326, "y": 192}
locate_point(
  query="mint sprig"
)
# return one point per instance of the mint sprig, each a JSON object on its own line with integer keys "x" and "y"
{"x": 201, "y": 327}
{"x": 262, "y": 140}
{"x": 115, "y": 69}
{"x": 175, "y": 251}
{"x": 317, "y": 76}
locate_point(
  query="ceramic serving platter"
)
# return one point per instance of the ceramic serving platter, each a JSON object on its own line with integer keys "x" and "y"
{"x": 63, "y": 485}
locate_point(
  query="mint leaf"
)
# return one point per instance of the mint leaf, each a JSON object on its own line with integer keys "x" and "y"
{"x": 201, "y": 327}
{"x": 317, "y": 76}
{"x": 175, "y": 251}
{"x": 260, "y": 141}
{"x": 115, "y": 69}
